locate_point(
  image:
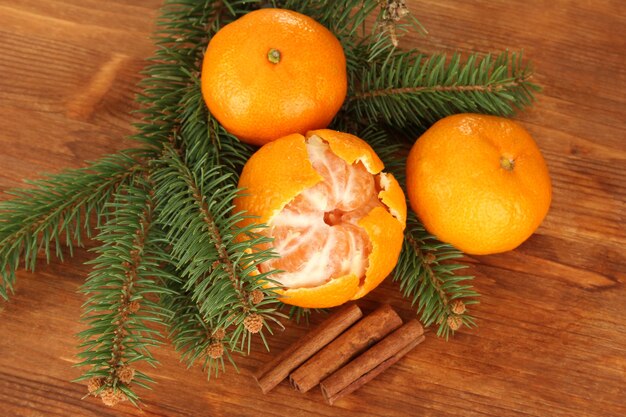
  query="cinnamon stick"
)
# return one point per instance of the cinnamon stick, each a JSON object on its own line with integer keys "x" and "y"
{"x": 354, "y": 341}
{"x": 371, "y": 363}
{"x": 274, "y": 371}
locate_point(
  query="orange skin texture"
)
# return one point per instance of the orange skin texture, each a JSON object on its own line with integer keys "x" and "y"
{"x": 259, "y": 101}
{"x": 281, "y": 170}
{"x": 275, "y": 175}
{"x": 458, "y": 187}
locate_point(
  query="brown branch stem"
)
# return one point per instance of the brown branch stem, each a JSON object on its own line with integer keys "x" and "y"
{"x": 218, "y": 242}
{"x": 212, "y": 228}
{"x": 432, "y": 277}
{"x": 491, "y": 88}
{"x": 127, "y": 307}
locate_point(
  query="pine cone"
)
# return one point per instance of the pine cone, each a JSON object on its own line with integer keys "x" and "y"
{"x": 257, "y": 296}
{"x": 455, "y": 322}
{"x": 429, "y": 258}
{"x": 95, "y": 384}
{"x": 111, "y": 396}
{"x": 126, "y": 374}
{"x": 134, "y": 306}
{"x": 253, "y": 323}
{"x": 215, "y": 350}
{"x": 458, "y": 307}
{"x": 219, "y": 334}
{"x": 397, "y": 9}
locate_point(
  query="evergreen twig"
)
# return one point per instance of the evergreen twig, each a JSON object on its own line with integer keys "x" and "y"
{"x": 219, "y": 265}
{"x": 192, "y": 336}
{"x": 123, "y": 289}
{"x": 406, "y": 88}
{"x": 427, "y": 275}
{"x": 57, "y": 212}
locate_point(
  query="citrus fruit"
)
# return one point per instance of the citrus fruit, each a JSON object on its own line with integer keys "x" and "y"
{"x": 478, "y": 182}
{"x": 336, "y": 219}
{"x": 273, "y": 72}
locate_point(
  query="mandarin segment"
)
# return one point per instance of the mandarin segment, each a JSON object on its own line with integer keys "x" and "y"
{"x": 346, "y": 185}
{"x": 316, "y": 235}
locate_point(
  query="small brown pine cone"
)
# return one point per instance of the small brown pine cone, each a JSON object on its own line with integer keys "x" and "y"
{"x": 257, "y": 296}
{"x": 215, "y": 350}
{"x": 125, "y": 374}
{"x": 429, "y": 258}
{"x": 111, "y": 396}
{"x": 397, "y": 9}
{"x": 95, "y": 384}
{"x": 455, "y": 322}
{"x": 134, "y": 306}
{"x": 458, "y": 307}
{"x": 253, "y": 323}
{"x": 219, "y": 334}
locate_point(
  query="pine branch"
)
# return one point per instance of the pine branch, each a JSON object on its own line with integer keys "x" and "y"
{"x": 218, "y": 264}
{"x": 426, "y": 273}
{"x": 411, "y": 89}
{"x": 193, "y": 337}
{"x": 301, "y": 313}
{"x": 123, "y": 290}
{"x": 57, "y": 211}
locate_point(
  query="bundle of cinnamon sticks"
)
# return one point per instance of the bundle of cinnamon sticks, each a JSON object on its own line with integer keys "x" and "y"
{"x": 343, "y": 353}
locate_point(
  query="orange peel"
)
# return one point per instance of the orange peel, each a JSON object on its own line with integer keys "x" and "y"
{"x": 282, "y": 173}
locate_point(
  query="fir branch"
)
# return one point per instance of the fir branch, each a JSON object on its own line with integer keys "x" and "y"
{"x": 193, "y": 337}
{"x": 428, "y": 278}
{"x": 123, "y": 290}
{"x": 219, "y": 265}
{"x": 406, "y": 88}
{"x": 393, "y": 11}
{"x": 57, "y": 211}
{"x": 301, "y": 313}
{"x": 199, "y": 208}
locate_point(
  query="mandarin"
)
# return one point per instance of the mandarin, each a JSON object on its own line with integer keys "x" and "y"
{"x": 336, "y": 219}
{"x": 478, "y": 182}
{"x": 271, "y": 73}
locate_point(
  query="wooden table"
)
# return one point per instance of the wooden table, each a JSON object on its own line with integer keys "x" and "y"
{"x": 551, "y": 339}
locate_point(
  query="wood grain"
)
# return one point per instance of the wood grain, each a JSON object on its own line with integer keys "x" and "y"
{"x": 551, "y": 339}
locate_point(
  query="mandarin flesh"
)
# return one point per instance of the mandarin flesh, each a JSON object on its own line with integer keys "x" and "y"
{"x": 336, "y": 219}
